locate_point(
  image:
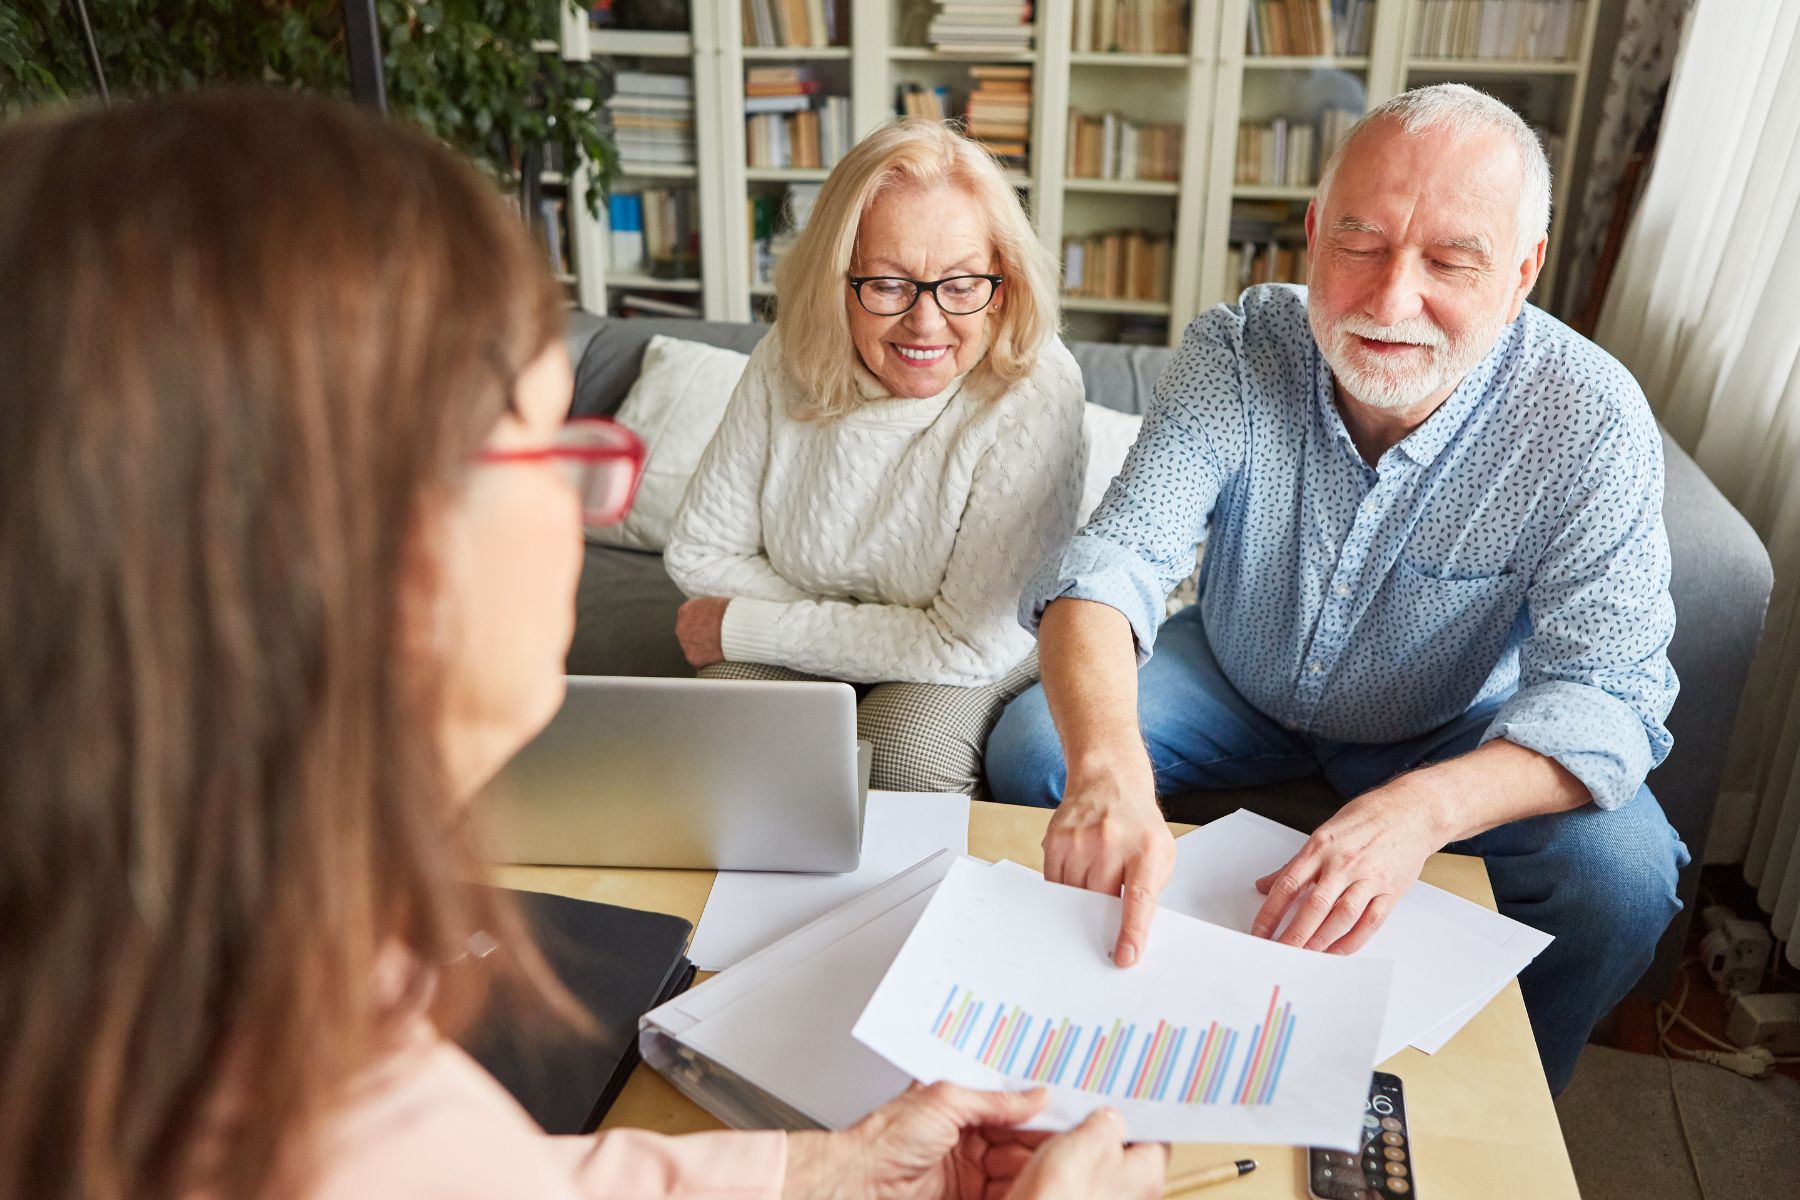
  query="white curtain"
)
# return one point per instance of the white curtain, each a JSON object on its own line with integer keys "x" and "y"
{"x": 1705, "y": 310}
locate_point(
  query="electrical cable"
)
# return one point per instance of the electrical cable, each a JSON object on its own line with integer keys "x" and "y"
{"x": 1662, "y": 1044}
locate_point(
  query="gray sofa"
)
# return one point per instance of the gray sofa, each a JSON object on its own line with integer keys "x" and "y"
{"x": 626, "y": 607}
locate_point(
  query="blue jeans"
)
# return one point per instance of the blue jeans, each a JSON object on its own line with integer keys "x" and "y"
{"x": 1602, "y": 883}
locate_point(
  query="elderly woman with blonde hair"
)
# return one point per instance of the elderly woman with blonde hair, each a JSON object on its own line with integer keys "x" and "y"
{"x": 904, "y": 446}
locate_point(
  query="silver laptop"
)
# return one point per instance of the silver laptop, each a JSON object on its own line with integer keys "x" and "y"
{"x": 727, "y": 774}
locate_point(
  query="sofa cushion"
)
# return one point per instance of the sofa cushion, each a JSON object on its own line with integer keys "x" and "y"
{"x": 675, "y": 406}
{"x": 608, "y": 352}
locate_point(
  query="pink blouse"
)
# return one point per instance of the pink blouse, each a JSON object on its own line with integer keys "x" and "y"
{"x": 437, "y": 1125}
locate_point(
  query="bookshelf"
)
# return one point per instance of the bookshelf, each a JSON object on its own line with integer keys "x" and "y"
{"x": 1194, "y": 76}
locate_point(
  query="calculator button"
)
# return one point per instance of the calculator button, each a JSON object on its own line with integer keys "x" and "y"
{"x": 1370, "y": 1122}
{"x": 1393, "y": 1154}
{"x": 1397, "y": 1169}
{"x": 1399, "y": 1186}
{"x": 1393, "y": 1139}
{"x": 1391, "y": 1124}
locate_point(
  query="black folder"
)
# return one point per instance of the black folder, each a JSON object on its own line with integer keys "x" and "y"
{"x": 619, "y": 963}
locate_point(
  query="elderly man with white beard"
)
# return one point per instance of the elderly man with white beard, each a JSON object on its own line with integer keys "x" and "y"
{"x": 1435, "y": 572}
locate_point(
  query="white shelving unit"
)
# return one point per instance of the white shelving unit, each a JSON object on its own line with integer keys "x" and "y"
{"x": 1207, "y": 90}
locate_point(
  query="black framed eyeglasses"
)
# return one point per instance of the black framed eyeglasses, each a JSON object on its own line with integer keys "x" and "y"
{"x": 891, "y": 295}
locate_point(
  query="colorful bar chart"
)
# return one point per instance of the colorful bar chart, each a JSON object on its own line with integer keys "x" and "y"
{"x": 1178, "y": 1064}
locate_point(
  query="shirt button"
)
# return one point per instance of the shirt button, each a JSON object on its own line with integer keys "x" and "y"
{"x": 1368, "y": 505}
{"x": 1341, "y": 590}
{"x": 1315, "y": 668}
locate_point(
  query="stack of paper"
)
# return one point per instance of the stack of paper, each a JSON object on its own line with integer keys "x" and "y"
{"x": 747, "y": 910}
{"x": 991, "y": 977}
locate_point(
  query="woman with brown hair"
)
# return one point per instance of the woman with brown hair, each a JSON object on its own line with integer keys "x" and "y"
{"x": 288, "y": 573}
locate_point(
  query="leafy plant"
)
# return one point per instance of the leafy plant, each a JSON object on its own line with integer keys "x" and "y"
{"x": 464, "y": 70}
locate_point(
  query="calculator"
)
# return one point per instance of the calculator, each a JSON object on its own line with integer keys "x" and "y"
{"x": 1383, "y": 1169}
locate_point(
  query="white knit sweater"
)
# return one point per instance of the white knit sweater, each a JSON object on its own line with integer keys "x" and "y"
{"x": 889, "y": 544}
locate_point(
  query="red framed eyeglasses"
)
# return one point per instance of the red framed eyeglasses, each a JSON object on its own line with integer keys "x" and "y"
{"x": 603, "y": 459}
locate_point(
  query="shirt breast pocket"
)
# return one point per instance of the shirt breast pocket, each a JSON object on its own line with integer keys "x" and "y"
{"x": 1447, "y": 623}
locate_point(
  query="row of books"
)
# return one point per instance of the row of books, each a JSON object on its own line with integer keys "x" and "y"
{"x": 1289, "y": 153}
{"x": 1536, "y": 30}
{"x": 813, "y": 138}
{"x": 774, "y": 224}
{"x": 922, "y": 100}
{"x": 1310, "y": 27}
{"x": 798, "y": 23}
{"x": 1251, "y": 263}
{"x": 1118, "y": 264}
{"x": 1131, "y": 26}
{"x": 980, "y": 27}
{"x": 999, "y": 113}
{"x": 653, "y": 118}
{"x": 654, "y": 231}
{"x": 1109, "y": 146}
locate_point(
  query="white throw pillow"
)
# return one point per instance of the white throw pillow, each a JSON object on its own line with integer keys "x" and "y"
{"x": 1110, "y": 434}
{"x": 675, "y": 405}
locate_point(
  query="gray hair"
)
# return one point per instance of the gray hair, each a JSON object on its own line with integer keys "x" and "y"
{"x": 1464, "y": 112}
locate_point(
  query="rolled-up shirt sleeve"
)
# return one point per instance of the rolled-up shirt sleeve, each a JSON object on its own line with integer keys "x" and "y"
{"x": 1143, "y": 536}
{"x": 1595, "y": 682}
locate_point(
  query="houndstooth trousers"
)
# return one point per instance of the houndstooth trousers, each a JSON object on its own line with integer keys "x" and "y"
{"x": 928, "y": 737}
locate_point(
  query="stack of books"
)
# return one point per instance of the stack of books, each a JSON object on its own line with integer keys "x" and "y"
{"x": 1267, "y": 246}
{"x": 980, "y": 27}
{"x": 655, "y": 231}
{"x": 774, "y": 224}
{"x": 999, "y": 114}
{"x": 1536, "y": 30}
{"x": 653, "y": 119}
{"x": 1310, "y": 27}
{"x": 1131, "y": 26}
{"x": 1109, "y": 146}
{"x": 797, "y": 23}
{"x": 1120, "y": 264}
{"x": 788, "y": 124}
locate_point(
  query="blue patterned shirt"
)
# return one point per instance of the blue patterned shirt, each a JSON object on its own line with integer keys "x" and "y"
{"x": 1511, "y": 548}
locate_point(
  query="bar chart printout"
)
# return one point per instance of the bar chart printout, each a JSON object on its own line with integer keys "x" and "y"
{"x": 1182, "y": 1064}
{"x": 1006, "y": 981}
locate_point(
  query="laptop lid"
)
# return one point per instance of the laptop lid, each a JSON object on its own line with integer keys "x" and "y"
{"x": 728, "y": 774}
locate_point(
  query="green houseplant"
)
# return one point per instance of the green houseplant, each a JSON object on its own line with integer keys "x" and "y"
{"x": 464, "y": 70}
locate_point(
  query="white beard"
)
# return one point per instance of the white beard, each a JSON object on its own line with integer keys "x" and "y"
{"x": 1380, "y": 385}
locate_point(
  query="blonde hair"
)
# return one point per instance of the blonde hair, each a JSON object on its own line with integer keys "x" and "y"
{"x": 814, "y": 324}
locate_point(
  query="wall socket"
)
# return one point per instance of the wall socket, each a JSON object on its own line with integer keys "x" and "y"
{"x": 1769, "y": 1019}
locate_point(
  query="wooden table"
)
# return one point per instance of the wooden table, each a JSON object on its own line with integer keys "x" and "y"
{"x": 1480, "y": 1113}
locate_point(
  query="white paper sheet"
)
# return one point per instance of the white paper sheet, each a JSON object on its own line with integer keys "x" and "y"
{"x": 1450, "y": 955}
{"x": 1215, "y": 1036}
{"x": 748, "y": 910}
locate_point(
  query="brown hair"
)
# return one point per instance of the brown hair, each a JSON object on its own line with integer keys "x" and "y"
{"x": 249, "y": 341}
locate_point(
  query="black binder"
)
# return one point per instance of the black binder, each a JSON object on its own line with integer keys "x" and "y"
{"x": 619, "y": 963}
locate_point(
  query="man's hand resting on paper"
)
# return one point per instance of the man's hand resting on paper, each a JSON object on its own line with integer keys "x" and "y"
{"x": 1357, "y": 865}
{"x": 1109, "y": 836}
{"x": 1360, "y": 862}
